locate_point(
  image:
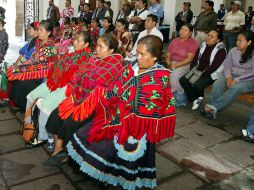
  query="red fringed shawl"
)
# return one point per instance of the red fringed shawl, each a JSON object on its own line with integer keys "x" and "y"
{"x": 63, "y": 69}
{"x": 135, "y": 106}
{"x": 87, "y": 86}
{"x": 38, "y": 66}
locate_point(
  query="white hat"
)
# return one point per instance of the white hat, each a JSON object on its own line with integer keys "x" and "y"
{"x": 238, "y": 3}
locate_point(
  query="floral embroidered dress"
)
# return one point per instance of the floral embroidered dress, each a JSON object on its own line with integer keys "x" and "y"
{"x": 118, "y": 145}
{"x": 52, "y": 92}
{"x": 29, "y": 75}
{"x": 38, "y": 66}
{"x": 87, "y": 86}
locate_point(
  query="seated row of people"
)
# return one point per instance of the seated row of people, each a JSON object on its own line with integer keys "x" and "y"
{"x": 103, "y": 103}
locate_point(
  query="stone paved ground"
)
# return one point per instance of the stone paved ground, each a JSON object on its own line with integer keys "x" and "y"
{"x": 203, "y": 155}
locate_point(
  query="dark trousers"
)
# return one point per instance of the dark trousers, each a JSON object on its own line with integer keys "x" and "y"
{"x": 194, "y": 91}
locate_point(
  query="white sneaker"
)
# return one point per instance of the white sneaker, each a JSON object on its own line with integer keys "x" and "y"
{"x": 197, "y": 103}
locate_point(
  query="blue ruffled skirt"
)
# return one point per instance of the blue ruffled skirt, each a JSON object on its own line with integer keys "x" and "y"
{"x": 131, "y": 165}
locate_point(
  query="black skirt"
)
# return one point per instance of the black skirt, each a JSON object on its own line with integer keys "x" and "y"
{"x": 20, "y": 89}
{"x": 131, "y": 165}
{"x": 64, "y": 129}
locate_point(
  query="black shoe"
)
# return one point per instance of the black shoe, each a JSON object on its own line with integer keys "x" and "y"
{"x": 58, "y": 159}
{"x": 35, "y": 143}
{"x": 248, "y": 139}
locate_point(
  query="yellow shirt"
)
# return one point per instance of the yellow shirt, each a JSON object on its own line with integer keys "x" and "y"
{"x": 233, "y": 20}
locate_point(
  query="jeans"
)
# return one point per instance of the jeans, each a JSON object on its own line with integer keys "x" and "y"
{"x": 230, "y": 40}
{"x": 250, "y": 125}
{"x": 196, "y": 90}
{"x": 180, "y": 98}
{"x": 222, "y": 96}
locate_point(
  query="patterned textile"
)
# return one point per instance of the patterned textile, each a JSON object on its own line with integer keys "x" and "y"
{"x": 135, "y": 106}
{"x": 38, "y": 66}
{"x": 135, "y": 113}
{"x": 87, "y": 86}
{"x": 62, "y": 71}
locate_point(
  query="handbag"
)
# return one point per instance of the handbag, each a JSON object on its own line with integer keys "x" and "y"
{"x": 29, "y": 129}
{"x": 193, "y": 75}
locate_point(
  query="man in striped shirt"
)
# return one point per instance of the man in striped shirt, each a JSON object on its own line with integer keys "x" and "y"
{"x": 68, "y": 11}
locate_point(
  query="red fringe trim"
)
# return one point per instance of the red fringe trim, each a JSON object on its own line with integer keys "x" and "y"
{"x": 82, "y": 111}
{"x": 27, "y": 75}
{"x": 132, "y": 125}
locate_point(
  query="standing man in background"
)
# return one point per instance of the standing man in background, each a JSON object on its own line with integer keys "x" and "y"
{"x": 183, "y": 17}
{"x": 67, "y": 12}
{"x": 101, "y": 11}
{"x": 108, "y": 7}
{"x": 248, "y": 17}
{"x": 206, "y": 21}
{"x": 53, "y": 13}
{"x": 156, "y": 9}
{"x": 234, "y": 23}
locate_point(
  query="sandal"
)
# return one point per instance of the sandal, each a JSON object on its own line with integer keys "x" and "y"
{"x": 58, "y": 159}
{"x": 35, "y": 143}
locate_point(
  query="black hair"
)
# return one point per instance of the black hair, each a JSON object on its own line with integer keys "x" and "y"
{"x": 210, "y": 3}
{"x": 190, "y": 26}
{"x": 153, "y": 17}
{"x": 108, "y": 3}
{"x": 67, "y": 22}
{"x": 123, "y": 22}
{"x": 248, "y": 54}
{"x": 33, "y": 26}
{"x": 85, "y": 35}
{"x": 75, "y": 20}
{"x": 219, "y": 34}
{"x": 88, "y": 4}
{"x": 47, "y": 24}
{"x": 111, "y": 41}
{"x": 154, "y": 46}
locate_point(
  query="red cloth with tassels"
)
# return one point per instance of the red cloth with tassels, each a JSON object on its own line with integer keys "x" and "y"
{"x": 63, "y": 69}
{"x": 135, "y": 106}
{"x": 87, "y": 87}
{"x": 37, "y": 66}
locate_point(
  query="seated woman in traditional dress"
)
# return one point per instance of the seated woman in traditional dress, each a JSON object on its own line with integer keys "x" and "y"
{"x": 118, "y": 145}
{"x": 238, "y": 76}
{"x": 209, "y": 61}
{"x": 30, "y": 74}
{"x": 26, "y": 51}
{"x": 180, "y": 54}
{"x": 83, "y": 96}
{"x": 48, "y": 95}
{"x": 123, "y": 35}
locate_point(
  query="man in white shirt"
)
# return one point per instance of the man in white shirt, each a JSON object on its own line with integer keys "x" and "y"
{"x": 234, "y": 22}
{"x": 150, "y": 25}
{"x": 137, "y": 19}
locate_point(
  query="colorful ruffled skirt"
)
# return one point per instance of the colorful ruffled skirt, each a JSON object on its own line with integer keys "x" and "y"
{"x": 131, "y": 165}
